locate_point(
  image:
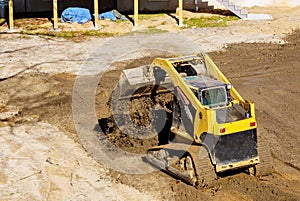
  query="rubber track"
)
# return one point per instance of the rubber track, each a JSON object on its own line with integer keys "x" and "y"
{"x": 205, "y": 171}
{"x": 265, "y": 166}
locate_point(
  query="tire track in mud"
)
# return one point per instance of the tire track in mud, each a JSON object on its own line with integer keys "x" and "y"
{"x": 48, "y": 98}
{"x": 277, "y": 107}
{"x": 241, "y": 186}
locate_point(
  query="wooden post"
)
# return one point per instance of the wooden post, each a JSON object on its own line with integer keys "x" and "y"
{"x": 180, "y": 6}
{"x": 96, "y": 13}
{"x": 11, "y": 15}
{"x": 55, "y": 23}
{"x": 136, "y": 13}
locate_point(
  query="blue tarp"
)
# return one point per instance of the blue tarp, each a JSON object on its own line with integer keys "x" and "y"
{"x": 112, "y": 15}
{"x": 74, "y": 14}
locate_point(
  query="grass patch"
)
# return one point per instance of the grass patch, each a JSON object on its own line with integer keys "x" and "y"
{"x": 149, "y": 31}
{"x": 150, "y": 16}
{"x": 32, "y": 27}
{"x": 40, "y": 27}
{"x": 214, "y": 21}
{"x": 71, "y": 35}
{"x": 151, "y": 27}
{"x": 98, "y": 33}
{"x": 163, "y": 23}
{"x": 155, "y": 31}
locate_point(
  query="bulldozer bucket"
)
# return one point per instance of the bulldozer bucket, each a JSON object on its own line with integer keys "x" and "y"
{"x": 140, "y": 81}
{"x": 133, "y": 79}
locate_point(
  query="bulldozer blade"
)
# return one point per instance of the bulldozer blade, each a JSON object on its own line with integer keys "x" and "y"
{"x": 156, "y": 162}
{"x": 132, "y": 80}
{"x": 139, "y": 81}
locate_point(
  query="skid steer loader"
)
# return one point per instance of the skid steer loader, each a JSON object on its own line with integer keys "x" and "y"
{"x": 213, "y": 128}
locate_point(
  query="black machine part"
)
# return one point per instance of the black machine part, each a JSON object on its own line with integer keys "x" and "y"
{"x": 231, "y": 148}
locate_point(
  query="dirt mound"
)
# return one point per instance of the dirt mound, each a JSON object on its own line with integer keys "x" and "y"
{"x": 130, "y": 125}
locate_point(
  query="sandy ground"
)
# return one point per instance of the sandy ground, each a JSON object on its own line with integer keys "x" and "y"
{"x": 39, "y": 162}
{"x": 41, "y": 157}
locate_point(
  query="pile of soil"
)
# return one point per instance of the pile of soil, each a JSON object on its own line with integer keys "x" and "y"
{"x": 130, "y": 125}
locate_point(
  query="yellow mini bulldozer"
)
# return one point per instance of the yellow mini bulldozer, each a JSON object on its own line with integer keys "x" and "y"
{"x": 213, "y": 129}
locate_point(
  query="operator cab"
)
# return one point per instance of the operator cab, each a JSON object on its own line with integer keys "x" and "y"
{"x": 213, "y": 97}
{"x": 210, "y": 92}
{"x": 193, "y": 66}
{"x": 215, "y": 94}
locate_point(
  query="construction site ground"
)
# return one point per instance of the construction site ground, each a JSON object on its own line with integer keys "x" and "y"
{"x": 42, "y": 158}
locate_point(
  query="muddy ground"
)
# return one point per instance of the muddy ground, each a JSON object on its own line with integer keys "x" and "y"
{"x": 265, "y": 73}
{"x": 268, "y": 75}
{"x": 41, "y": 156}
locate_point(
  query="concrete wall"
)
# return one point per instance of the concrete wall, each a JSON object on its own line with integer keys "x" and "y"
{"x": 30, "y": 6}
{"x": 38, "y": 5}
{"x": 290, "y": 3}
{"x": 19, "y": 6}
{"x": 126, "y": 5}
{"x": 262, "y": 3}
{"x": 22, "y": 6}
{"x": 147, "y": 5}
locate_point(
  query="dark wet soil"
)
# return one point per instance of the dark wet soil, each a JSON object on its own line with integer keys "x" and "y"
{"x": 267, "y": 74}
